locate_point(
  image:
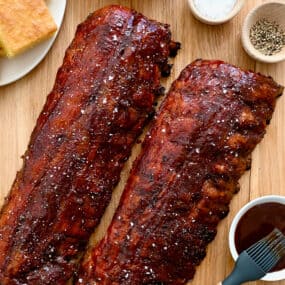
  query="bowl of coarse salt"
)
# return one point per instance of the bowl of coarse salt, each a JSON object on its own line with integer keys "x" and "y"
{"x": 263, "y": 32}
{"x": 215, "y": 12}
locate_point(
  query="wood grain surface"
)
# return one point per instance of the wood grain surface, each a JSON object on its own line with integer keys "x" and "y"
{"x": 22, "y": 101}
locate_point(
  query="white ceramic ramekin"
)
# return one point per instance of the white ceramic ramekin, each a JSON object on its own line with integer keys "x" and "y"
{"x": 272, "y": 276}
{"x": 237, "y": 7}
{"x": 274, "y": 11}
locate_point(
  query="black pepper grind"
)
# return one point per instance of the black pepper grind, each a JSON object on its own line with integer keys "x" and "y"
{"x": 267, "y": 37}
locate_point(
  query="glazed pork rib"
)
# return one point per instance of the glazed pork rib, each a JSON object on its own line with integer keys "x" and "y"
{"x": 181, "y": 184}
{"x": 103, "y": 95}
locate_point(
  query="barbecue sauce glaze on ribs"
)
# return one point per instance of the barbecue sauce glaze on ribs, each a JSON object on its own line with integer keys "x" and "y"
{"x": 181, "y": 184}
{"x": 103, "y": 95}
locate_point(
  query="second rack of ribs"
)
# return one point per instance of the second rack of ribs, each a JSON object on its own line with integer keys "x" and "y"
{"x": 182, "y": 182}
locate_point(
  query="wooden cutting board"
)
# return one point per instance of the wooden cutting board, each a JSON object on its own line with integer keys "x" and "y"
{"x": 22, "y": 101}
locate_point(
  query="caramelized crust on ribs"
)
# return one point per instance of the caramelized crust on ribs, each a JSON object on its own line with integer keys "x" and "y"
{"x": 103, "y": 95}
{"x": 182, "y": 182}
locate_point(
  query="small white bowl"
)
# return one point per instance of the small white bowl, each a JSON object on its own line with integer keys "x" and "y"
{"x": 238, "y": 5}
{"x": 273, "y": 11}
{"x": 272, "y": 276}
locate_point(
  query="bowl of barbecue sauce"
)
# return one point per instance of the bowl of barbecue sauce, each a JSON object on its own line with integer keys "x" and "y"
{"x": 254, "y": 221}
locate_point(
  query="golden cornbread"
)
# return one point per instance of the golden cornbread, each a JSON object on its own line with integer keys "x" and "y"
{"x": 24, "y": 23}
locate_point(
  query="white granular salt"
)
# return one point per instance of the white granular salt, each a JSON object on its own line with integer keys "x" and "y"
{"x": 214, "y": 9}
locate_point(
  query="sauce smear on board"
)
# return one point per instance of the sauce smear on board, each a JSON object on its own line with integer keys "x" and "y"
{"x": 258, "y": 222}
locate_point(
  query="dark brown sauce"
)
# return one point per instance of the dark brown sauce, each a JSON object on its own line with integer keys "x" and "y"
{"x": 256, "y": 223}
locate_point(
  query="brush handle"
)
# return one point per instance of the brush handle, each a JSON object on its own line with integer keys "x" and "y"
{"x": 220, "y": 283}
{"x": 234, "y": 278}
{"x": 246, "y": 269}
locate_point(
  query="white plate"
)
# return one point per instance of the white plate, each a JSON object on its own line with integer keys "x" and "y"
{"x": 15, "y": 68}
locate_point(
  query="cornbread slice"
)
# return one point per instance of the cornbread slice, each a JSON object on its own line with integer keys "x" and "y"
{"x": 24, "y": 23}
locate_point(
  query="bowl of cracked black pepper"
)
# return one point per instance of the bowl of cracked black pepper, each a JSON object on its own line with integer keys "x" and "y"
{"x": 263, "y": 33}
